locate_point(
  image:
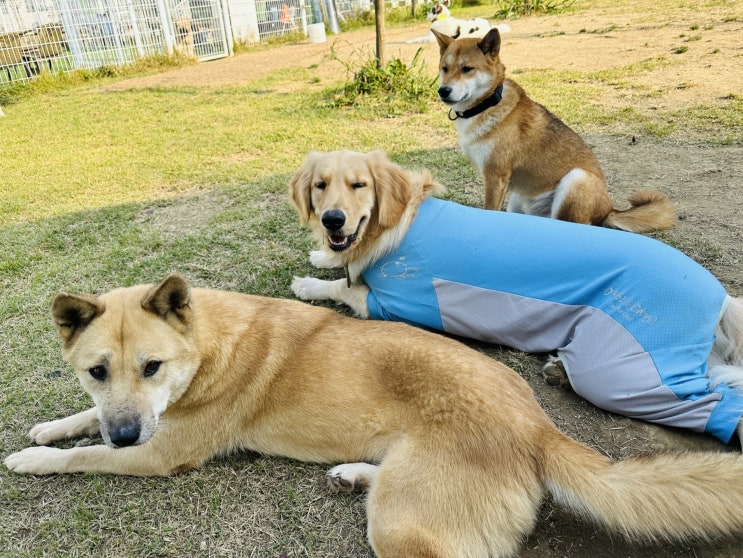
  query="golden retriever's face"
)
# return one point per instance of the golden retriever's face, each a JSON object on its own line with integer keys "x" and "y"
{"x": 343, "y": 194}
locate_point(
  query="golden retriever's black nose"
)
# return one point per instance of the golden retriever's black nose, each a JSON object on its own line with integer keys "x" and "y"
{"x": 444, "y": 92}
{"x": 333, "y": 219}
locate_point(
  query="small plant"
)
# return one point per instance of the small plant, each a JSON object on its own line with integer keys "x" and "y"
{"x": 394, "y": 87}
{"x": 680, "y": 50}
{"x": 515, "y": 8}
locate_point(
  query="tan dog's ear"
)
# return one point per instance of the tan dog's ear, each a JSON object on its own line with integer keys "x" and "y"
{"x": 443, "y": 40}
{"x": 489, "y": 45}
{"x": 171, "y": 301}
{"x": 73, "y": 313}
{"x": 392, "y": 186}
{"x": 300, "y": 185}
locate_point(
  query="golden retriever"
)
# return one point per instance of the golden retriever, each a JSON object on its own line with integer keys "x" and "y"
{"x": 638, "y": 328}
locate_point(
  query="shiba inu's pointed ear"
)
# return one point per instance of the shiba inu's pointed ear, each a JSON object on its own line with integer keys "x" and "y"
{"x": 73, "y": 313}
{"x": 443, "y": 40}
{"x": 489, "y": 45}
{"x": 170, "y": 300}
{"x": 392, "y": 187}
{"x": 299, "y": 188}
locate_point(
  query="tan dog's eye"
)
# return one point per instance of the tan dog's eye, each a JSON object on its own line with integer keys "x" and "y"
{"x": 444, "y": 69}
{"x": 467, "y": 69}
{"x": 357, "y": 185}
{"x": 320, "y": 185}
{"x": 151, "y": 368}
{"x": 98, "y": 372}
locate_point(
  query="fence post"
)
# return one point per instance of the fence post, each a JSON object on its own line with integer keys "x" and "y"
{"x": 166, "y": 22}
{"x": 113, "y": 15}
{"x": 379, "y": 25}
{"x": 229, "y": 39}
{"x": 135, "y": 28}
{"x": 73, "y": 39}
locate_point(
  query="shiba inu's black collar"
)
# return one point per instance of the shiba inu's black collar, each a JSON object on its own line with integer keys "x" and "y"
{"x": 490, "y": 101}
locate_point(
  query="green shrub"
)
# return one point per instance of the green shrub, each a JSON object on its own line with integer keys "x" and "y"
{"x": 393, "y": 88}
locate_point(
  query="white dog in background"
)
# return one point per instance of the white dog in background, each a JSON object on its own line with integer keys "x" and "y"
{"x": 443, "y": 22}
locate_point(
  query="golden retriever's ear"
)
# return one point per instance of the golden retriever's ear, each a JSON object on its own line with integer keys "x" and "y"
{"x": 392, "y": 186}
{"x": 299, "y": 188}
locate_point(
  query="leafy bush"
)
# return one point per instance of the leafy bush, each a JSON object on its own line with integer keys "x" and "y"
{"x": 393, "y": 88}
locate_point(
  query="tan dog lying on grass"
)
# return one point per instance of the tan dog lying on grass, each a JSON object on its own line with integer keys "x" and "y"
{"x": 517, "y": 144}
{"x": 452, "y": 446}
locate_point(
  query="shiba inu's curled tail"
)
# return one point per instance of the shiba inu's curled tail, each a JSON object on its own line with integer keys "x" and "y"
{"x": 650, "y": 211}
{"x": 664, "y": 497}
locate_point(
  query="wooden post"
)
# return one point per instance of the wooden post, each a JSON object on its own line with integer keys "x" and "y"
{"x": 413, "y": 5}
{"x": 379, "y": 21}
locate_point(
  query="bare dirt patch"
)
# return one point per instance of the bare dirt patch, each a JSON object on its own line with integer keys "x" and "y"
{"x": 702, "y": 53}
{"x": 707, "y": 70}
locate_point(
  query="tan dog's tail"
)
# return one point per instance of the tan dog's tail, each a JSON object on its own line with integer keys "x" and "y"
{"x": 650, "y": 211}
{"x": 664, "y": 497}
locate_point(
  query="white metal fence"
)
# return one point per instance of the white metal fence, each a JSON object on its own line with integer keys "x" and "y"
{"x": 65, "y": 35}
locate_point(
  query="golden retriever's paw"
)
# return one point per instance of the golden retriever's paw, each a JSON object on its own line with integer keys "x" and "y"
{"x": 35, "y": 461}
{"x": 351, "y": 477}
{"x": 309, "y": 288}
{"x": 323, "y": 260}
{"x": 554, "y": 373}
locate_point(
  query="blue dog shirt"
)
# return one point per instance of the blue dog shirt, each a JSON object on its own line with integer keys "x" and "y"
{"x": 631, "y": 318}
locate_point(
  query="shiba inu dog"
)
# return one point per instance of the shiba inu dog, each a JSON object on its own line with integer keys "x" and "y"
{"x": 639, "y": 328}
{"x": 518, "y": 145}
{"x": 452, "y": 445}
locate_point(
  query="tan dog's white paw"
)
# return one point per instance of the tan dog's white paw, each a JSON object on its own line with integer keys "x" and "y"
{"x": 351, "y": 477}
{"x": 39, "y": 460}
{"x": 47, "y": 433}
{"x": 75, "y": 426}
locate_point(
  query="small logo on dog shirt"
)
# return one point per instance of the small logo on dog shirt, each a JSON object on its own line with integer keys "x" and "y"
{"x": 625, "y": 306}
{"x": 398, "y": 269}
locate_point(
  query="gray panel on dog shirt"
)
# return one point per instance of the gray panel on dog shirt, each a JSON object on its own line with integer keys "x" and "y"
{"x": 626, "y": 381}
